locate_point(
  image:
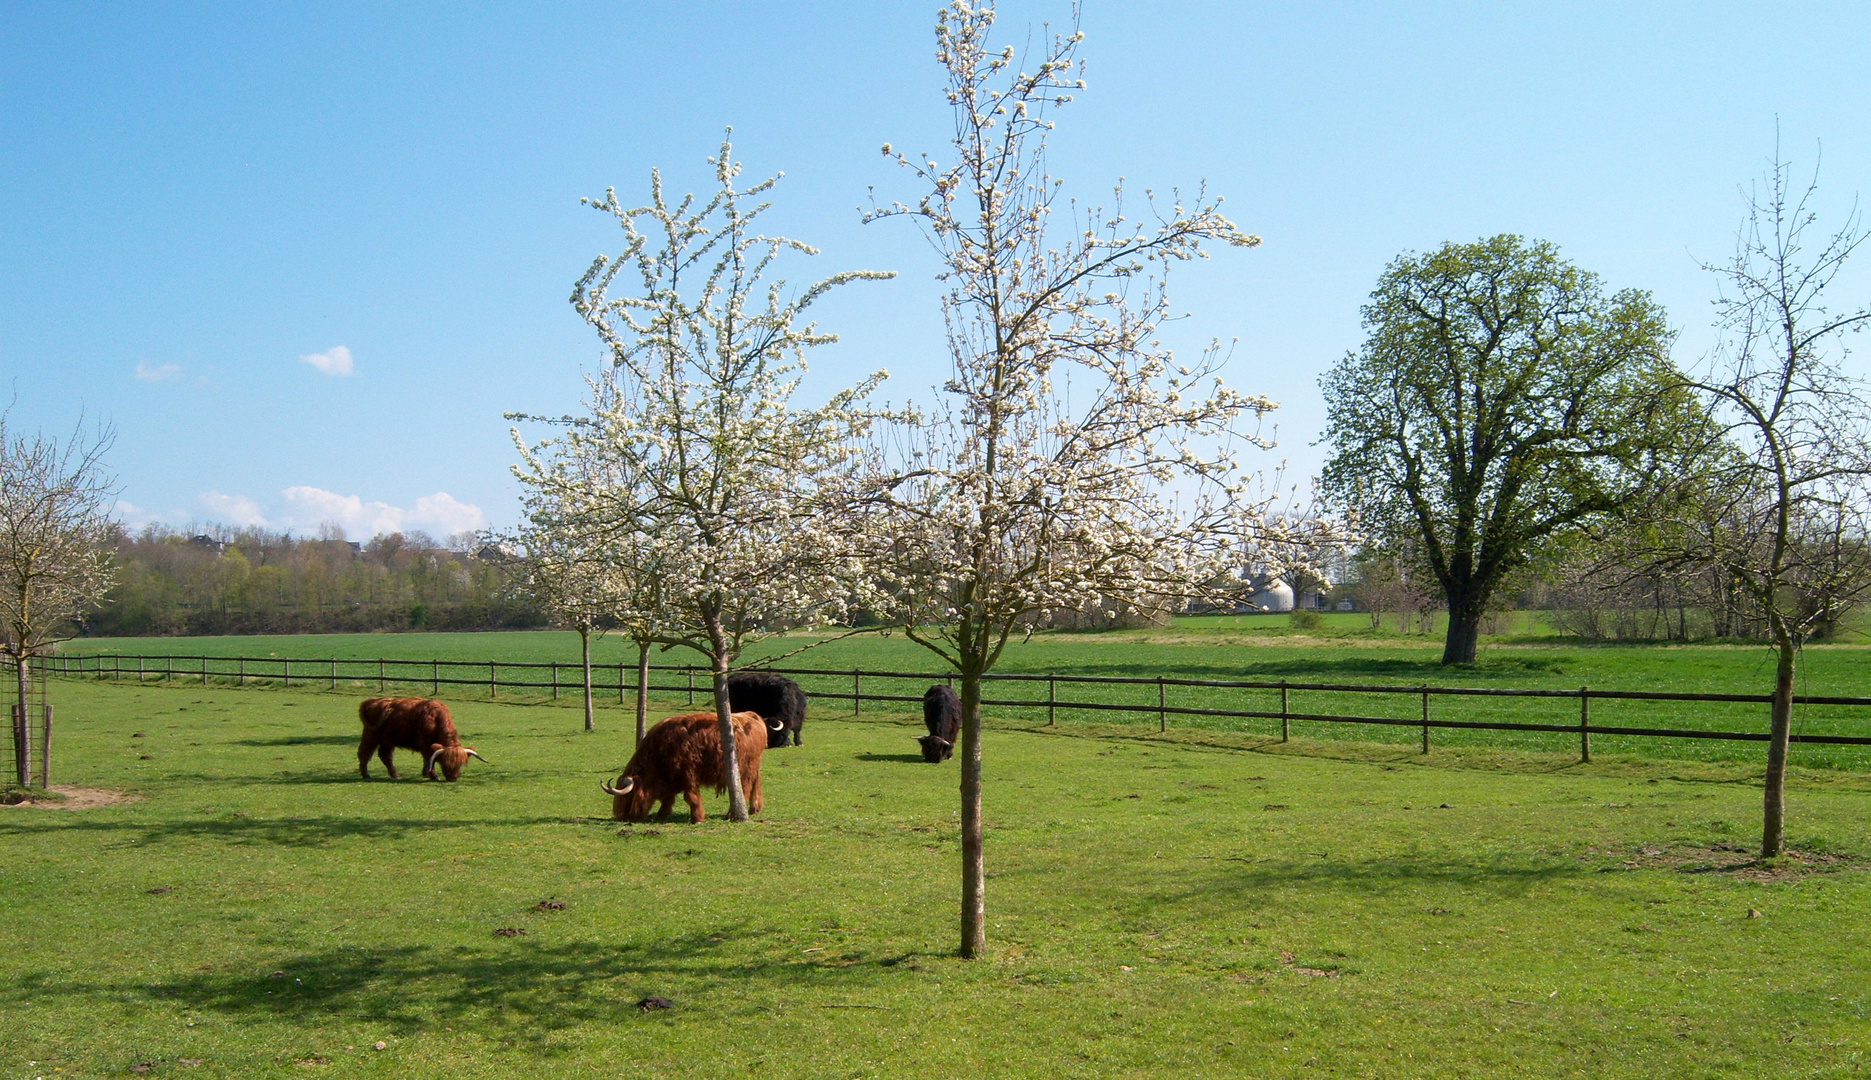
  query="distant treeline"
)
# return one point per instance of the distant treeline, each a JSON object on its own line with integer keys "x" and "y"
{"x": 220, "y": 580}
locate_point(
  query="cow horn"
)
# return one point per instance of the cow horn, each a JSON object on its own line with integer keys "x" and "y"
{"x": 776, "y": 725}
{"x": 472, "y": 754}
{"x": 629, "y": 783}
{"x": 941, "y": 740}
{"x": 433, "y": 754}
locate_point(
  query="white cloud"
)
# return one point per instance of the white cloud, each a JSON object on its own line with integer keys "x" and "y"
{"x": 303, "y": 509}
{"x": 440, "y": 513}
{"x": 443, "y": 514}
{"x": 333, "y": 361}
{"x": 159, "y": 373}
{"x": 236, "y": 510}
{"x": 135, "y": 517}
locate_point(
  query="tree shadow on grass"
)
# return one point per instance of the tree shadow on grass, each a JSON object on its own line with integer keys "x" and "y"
{"x": 1243, "y": 880}
{"x": 915, "y": 758}
{"x": 286, "y": 832}
{"x": 1311, "y": 667}
{"x": 300, "y": 740}
{"x": 512, "y": 986}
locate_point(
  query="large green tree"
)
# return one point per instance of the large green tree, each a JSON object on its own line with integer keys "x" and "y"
{"x": 1500, "y": 400}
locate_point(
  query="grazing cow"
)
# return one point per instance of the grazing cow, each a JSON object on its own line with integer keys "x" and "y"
{"x": 942, "y": 716}
{"x": 774, "y": 697}
{"x": 418, "y": 724}
{"x": 682, "y": 754}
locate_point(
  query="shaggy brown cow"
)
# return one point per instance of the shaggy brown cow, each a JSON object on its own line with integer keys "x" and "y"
{"x": 419, "y": 724}
{"x": 680, "y": 755}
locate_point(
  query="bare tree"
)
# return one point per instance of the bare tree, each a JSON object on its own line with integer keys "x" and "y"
{"x": 1039, "y": 484}
{"x": 56, "y": 545}
{"x": 1791, "y": 530}
{"x": 704, "y": 475}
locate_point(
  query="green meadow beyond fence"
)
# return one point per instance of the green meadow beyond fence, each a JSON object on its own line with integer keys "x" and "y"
{"x": 1525, "y": 718}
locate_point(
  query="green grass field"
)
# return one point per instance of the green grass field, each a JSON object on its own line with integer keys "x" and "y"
{"x": 1202, "y": 903}
{"x": 1247, "y": 648}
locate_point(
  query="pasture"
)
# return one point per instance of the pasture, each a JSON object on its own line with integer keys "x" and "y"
{"x": 1245, "y": 648}
{"x": 1201, "y": 903}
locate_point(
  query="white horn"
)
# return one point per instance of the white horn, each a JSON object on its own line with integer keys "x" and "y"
{"x": 433, "y": 754}
{"x": 630, "y": 782}
{"x": 472, "y": 754}
{"x": 776, "y": 725}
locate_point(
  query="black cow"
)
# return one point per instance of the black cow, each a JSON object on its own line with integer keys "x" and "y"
{"x": 942, "y": 716}
{"x": 774, "y": 697}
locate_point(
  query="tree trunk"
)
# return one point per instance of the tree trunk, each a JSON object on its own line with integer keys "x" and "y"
{"x": 584, "y": 648}
{"x": 731, "y": 760}
{"x": 22, "y": 722}
{"x": 1464, "y": 628}
{"x": 1774, "y": 811}
{"x": 643, "y": 687}
{"x": 973, "y": 865}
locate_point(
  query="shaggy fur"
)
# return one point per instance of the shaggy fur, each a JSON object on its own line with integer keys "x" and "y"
{"x": 681, "y": 755}
{"x": 775, "y": 697}
{"x": 419, "y": 724}
{"x": 942, "y": 716}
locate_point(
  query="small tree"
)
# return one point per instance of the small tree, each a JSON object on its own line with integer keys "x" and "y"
{"x": 56, "y": 545}
{"x": 1792, "y": 530}
{"x": 586, "y": 570}
{"x": 1501, "y": 399}
{"x": 1020, "y": 499}
{"x": 703, "y": 474}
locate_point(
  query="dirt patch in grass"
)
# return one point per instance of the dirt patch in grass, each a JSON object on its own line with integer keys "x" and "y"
{"x": 1736, "y": 860}
{"x": 73, "y": 797}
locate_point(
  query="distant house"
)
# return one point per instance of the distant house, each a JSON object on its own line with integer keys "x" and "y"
{"x": 209, "y": 542}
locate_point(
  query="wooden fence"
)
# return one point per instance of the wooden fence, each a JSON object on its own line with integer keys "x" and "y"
{"x": 828, "y": 683}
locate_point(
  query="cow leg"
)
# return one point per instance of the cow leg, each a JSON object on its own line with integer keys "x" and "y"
{"x": 384, "y": 754}
{"x": 669, "y": 802}
{"x": 796, "y": 740}
{"x": 364, "y": 749}
{"x": 694, "y": 799}
{"x": 756, "y": 798}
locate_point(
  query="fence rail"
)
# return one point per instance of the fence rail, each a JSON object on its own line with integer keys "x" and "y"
{"x": 558, "y": 677}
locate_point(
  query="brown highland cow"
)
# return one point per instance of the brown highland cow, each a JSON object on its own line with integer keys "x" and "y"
{"x": 419, "y": 724}
{"x": 681, "y": 755}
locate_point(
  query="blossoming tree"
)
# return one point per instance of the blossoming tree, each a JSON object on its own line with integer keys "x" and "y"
{"x": 703, "y": 473}
{"x": 1074, "y": 464}
{"x": 55, "y": 557}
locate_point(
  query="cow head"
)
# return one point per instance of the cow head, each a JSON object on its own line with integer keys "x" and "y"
{"x": 629, "y": 800}
{"x": 935, "y": 749}
{"x": 450, "y": 758}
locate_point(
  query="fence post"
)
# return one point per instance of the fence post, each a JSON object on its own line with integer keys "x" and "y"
{"x": 45, "y": 747}
{"x": 204, "y": 670}
{"x": 1052, "y": 701}
{"x": 243, "y": 671}
{"x": 435, "y": 678}
{"x": 493, "y": 682}
{"x": 117, "y": 675}
{"x": 620, "y": 682}
{"x": 1425, "y": 719}
{"x": 555, "y": 680}
{"x": 689, "y": 670}
{"x": 1585, "y": 725}
{"x": 380, "y": 675}
{"x": 287, "y": 667}
{"x": 1286, "y": 721}
{"x": 139, "y": 669}
{"x": 857, "y": 691}
{"x": 334, "y": 674}
{"x": 168, "y": 669}
{"x": 1162, "y": 705}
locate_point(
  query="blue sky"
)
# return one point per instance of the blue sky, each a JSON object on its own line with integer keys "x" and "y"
{"x": 194, "y": 200}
